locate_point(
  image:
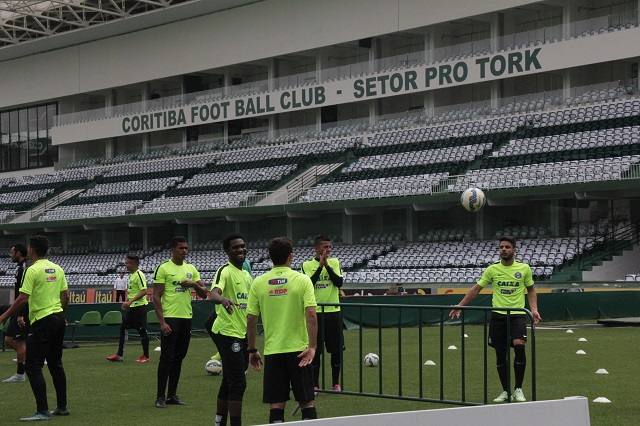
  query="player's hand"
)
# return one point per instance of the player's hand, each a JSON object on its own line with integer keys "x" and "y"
{"x": 323, "y": 259}
{"x": 455, "y": 313}
{"x": 21, "y": 322}
{"x": 536, "y": 317}
{"x": 125, "y": 305}
{"x": 166, "y": 330}
{"x": 255, "y": 361}
{"x": 188, "y": 284}
{"x": 228, "y": 304}
{"x": 306, "y": 357}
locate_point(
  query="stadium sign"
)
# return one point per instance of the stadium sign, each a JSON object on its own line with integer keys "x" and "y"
{"x": 415, "y": 79}
{"x": 410, "y": 80}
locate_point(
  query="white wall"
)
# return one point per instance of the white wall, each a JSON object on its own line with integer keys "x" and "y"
{"x": 261, "y": 30}
{"x": 573, "y": 411}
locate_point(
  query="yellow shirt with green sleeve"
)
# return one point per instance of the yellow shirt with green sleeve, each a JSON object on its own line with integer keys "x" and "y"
{"x": 43, "y": 281}
{"x": 282, "y": 296}
{"x": 508, "y": 283}
{"x": 325, "y": 290}
{"x": 176, "y": 300}
{"x": 234, "y": 284}
{"x": 137, "y": 283}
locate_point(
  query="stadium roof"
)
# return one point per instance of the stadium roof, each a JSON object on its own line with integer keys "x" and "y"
{"x": 33, "y": 26}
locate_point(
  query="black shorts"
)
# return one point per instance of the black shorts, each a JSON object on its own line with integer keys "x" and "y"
{"x": 233, "y": 353}
{"x": 135, "y": 317}
{"x": 498, "y": 329}
{"x": 281, "y": 373}
{"x": 17, "y": 332}
{"x": 330, "y": 324}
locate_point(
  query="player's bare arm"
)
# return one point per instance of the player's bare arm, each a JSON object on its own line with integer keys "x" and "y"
{"x": 158, "y": 291}
{"x": 471, "y": 294}
{"x": 306, "y": 356}
{"x": 217, "y": 298}
{"x": 533, "y": 304}
{"x": 255, "y": 360}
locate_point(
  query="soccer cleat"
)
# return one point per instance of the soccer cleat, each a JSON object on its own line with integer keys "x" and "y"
{"x": 518, "y": 395}
{"x": 503, "y": 397}
{"x": 64, "y": 411}
{"x": 216, "y": 357}
{"x": 143, "y": 359}
{"x": 336, "y": 388}
{"x": 15, "y": 379}
{"x": 115, "y": 358}
{"x": 315, "y": 391}
{"x": 36, "y": 417}
{"x": 174, "y": 400}
{"x": 160, "y": 402}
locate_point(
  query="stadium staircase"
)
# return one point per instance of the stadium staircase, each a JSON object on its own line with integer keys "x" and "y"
{"x": 614, "y": 254}
{"x": 299, "y": 185}
{"x": 47, "y": 205}
{"x": 621, "y": 264}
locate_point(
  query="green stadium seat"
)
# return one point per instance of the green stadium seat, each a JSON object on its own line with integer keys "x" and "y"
{"x": 89, "y": 318}
{"x": 112, "y": 318}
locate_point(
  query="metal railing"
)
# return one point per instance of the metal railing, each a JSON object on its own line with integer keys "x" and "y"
{"x": 607, "y": 245}
{"x": 391, "y": 316}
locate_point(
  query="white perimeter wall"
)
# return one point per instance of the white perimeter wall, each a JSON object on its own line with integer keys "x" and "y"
{"x": 572, "y": 411}
{"x": 261, "y": 30}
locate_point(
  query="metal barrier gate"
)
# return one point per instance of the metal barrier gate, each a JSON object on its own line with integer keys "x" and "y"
{"x": 438, "y": 315}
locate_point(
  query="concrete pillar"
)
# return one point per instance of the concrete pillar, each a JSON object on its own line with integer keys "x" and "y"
{"x": 429, "y": 47}
{"x": 347, "y": 228}
{"x": 290, "y": 227}
{"x": 145, "y": 238}
{"x": 412, "y": 234}
{"x": 319, "y": 77}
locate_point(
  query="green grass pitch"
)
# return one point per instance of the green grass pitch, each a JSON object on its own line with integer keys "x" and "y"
{"x": 104, "y": 393}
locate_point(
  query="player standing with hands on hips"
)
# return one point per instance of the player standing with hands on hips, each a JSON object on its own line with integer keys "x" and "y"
{"x": 508, "y": 278}
{"x": 326, "y": 276}
{"x": 172, "y": 284}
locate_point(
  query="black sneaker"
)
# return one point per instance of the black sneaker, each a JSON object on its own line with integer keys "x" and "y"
{"x": 60, "y": 411}
{"x": 174, "y": 400}
{"x": 161, "y": 403}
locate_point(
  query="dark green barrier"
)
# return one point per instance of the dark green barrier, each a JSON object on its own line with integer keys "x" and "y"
{"x": 552, "y": 307}
{"x": 201, "y": 310}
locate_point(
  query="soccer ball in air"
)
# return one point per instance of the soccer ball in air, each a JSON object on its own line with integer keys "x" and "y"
{"x": 371, "y": 360}
{"x": 473, "y": 199}
{"x": 213, "y": 367}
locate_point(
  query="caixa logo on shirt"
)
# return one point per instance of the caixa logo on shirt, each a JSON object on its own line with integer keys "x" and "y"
{"x": 278, "y": 292}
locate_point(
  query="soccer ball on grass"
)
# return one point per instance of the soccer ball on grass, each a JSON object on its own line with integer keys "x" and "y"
{"x": 213, "y": 367}
{"x": 371, "y": 360}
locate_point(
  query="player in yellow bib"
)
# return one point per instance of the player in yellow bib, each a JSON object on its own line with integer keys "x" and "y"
{"x": 172, "y": 284}
{"x": 230, "y": 292}
{"x": 135, "y": 310}
{"x": 44, "y": 287}
{"x": 326, "y": 276}
{"x": 285, "y": 300}
{"x": 508, "y": 278}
